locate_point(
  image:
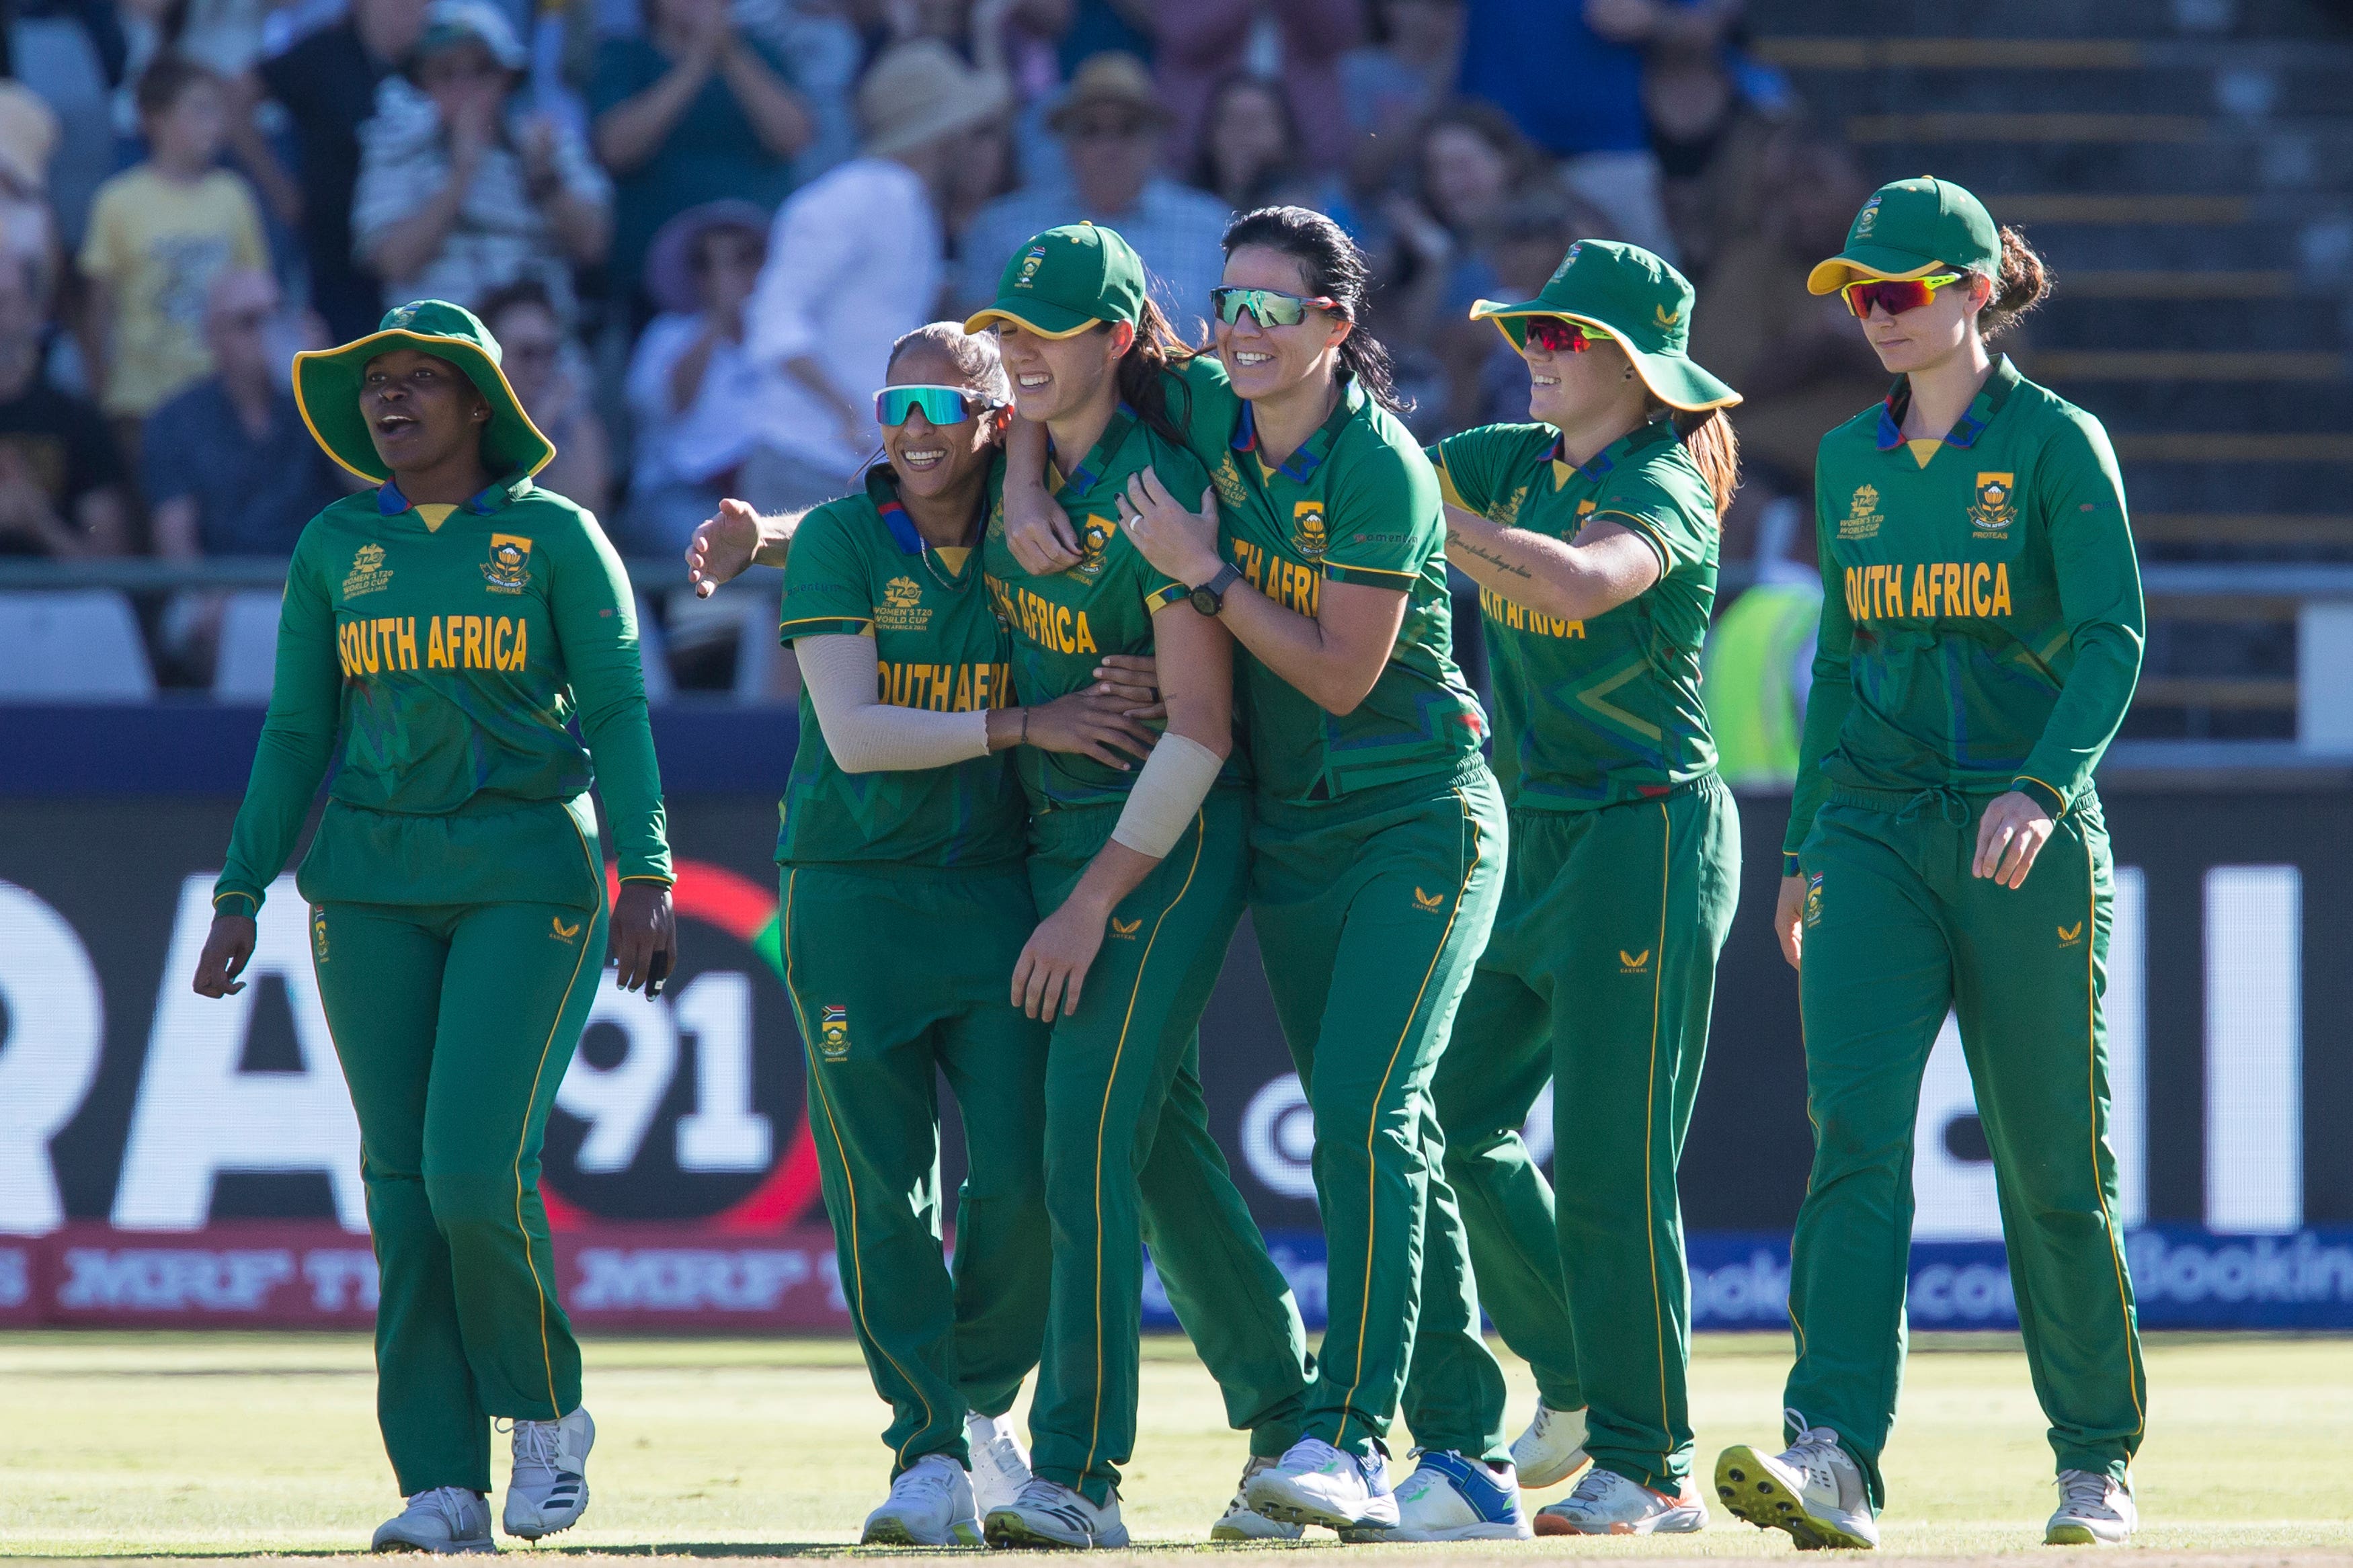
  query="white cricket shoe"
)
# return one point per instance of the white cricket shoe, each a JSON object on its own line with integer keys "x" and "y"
{"x": 1050, "y": 1515}
{"x": 1316, "y": 1483}
{"x": 1243, "y": 1523}
{"x": 2093, "y": 1510}
{"x": 1812, "y": 1488}
{"x": 547, "y": 1491}
{"x": 1552, "y": 1449}
{"x": 1000, "y": 1465}
{"x": 447, "y": 1519}
{"x": 1606, "y": 1503}
{"x": 1451, "y": 1498}
{"x": 929, "y": 1505}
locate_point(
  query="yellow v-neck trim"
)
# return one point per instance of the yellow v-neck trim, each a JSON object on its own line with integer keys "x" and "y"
{"x": 952, "y": 557}
{"x": 433, "y": 512}
{"x": 1924, "y": 448}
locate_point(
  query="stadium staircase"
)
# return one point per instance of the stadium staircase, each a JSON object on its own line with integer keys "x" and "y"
{"x": 2187, "y": 168}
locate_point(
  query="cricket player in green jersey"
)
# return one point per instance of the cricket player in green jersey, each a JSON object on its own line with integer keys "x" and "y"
{"x": 1377, "y": 845}
{"x": 1140, "y": 876}
{"x": 1980, "y": 637}
{"x": 441, "y": 630}
{"x": 1593, "y": 536}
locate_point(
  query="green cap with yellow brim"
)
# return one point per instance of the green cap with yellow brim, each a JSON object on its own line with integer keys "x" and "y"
{"x": 327, "y": 389}
{"x": 1639, "y": 300}
{"x": 1909, "y": 229}
{"x": 1066, "y": 280}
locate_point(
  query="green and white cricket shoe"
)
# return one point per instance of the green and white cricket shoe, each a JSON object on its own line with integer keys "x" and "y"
{"x": 447, "y": 1519}
{"x": 1606, "y": 1503}
{"x": 1243, "y": 1523}
{"x": 1316, "y": 1483}
{"x": 1552, "y": 1449}
{"x": 1051, "y": 1516}
{"x": 1450, "y": 1497}
{"x": 2095, "y": 1510}
{"x": 547, "y": 1491}
{"x": 1000, "y": 1465}
{"x": 1812, "y": 1488}
{"x": 929, "y": 1505}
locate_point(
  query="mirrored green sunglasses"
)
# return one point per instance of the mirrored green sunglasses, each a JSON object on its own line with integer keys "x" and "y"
{"x": 941, "y": 404}
{"x": 1267, "y": 306}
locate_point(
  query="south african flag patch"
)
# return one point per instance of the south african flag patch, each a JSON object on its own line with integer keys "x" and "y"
{"x": 833, "y": 1033}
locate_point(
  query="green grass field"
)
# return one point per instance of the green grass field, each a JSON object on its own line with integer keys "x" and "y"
{"x": 233, "y": 1445}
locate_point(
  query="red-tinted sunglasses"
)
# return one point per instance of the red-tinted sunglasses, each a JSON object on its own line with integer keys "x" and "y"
{"x": 1895, "y": 295}
{"x": 1563, "y": 337}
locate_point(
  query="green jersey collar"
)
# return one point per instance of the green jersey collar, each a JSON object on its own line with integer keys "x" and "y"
{"x": 1971, "y": 424}
{"x": 882, "y": 495}
{"x": 1092, "y": 467}
{"x": 1302, "y": 465}
{"x": 1649, "y": 434}
{"x": 390, "y": 502}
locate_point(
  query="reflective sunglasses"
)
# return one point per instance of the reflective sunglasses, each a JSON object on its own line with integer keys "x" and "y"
{"x": 1267, "y": 306}
{"x": 1895, "y": 295}
{"x": 941, "y": 404}
{"x": 1558, "y": 336}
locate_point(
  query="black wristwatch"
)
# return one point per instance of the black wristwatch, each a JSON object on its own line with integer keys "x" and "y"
{"x": 1210, "y": 597}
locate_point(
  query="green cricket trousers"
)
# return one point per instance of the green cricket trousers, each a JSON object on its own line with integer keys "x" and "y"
{"x": 454, "y": 1023}
{"x": 1370, "y": 912}
{"x": 1601, "y": 976}
{"x": 1897, "y": 932}
{"x": 898, "y": 975}
{"x": 1130, "y": 1164}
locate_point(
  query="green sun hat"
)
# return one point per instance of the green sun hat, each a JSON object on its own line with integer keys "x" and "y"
{"x": 1066, "y": 280}
{"x": 1639, "y": 300}
{"x": 327, "y": 389}
{"x": 1911, "y": 228}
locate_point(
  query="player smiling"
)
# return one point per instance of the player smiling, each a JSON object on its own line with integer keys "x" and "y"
{"x": 446, "y": 625}
{"x": 1980, "y": 637}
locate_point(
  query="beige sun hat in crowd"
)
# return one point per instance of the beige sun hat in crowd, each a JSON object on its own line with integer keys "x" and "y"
{"x": 915, "y": 92}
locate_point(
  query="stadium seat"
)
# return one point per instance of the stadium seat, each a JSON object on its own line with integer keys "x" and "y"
{"x": 248, "y": 665}
{"x": 78, "y": 645}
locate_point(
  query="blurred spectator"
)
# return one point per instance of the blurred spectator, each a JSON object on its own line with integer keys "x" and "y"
{"x": 692, "y": 113}
{"x": 1797, "y": 358}
{"x": 463, "y": 188}
{"x": 1569, "y": 73}
{"x": 820, "y": 41}
{"x": 1521, "y": 245}
{"x": 855, "y": 259}
{"x": 1469, "y": 160}
{"x": 549, "y": 379}
{"x": 327, "y": 82}
{"x": 1202, "y": 42}
{"x": 159, "y": 234}
{"x": 1709, "y": 139}
{"x": 1250, "y": 153}
{"x": 28, "y": 138}
{"x": 1387, "y": 85}
{"x": 1100, "y": 26}
{"x": 1112, "y": 122}
{"x": 73, "y": 53}
{"x": 61, "y": 482}
{"x": 693, "y": 390}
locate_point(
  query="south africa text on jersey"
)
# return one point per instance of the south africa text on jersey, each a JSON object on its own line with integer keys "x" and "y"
{"x": 1513, "y": 617}
{"x": 1947, "y": 588}
{"x": 1060, "y": 627}
{"x": 1286, "y": 582}
{"x": 946, "y": 687}
{"x": 450, "y": 642}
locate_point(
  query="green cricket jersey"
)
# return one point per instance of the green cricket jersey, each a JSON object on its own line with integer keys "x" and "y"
{"x": 859, "y": 568}
{"x": 1590, "y": 713}
{"x": 1356, "y": 503}
{"x": 450, "y": 646}
{"x": 1981, "y": 610}
{"x": 1063, "y": 623}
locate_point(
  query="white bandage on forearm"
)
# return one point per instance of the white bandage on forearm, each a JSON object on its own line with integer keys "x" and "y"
{"x": 844, "y": 676}
{"x": 1176, "y": 780}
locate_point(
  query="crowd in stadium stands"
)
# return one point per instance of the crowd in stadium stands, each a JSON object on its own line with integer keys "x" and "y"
{"x": 696, "y": 224}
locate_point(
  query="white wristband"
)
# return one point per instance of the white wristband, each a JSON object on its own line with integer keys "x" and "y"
{"x": 1174, "y": 781}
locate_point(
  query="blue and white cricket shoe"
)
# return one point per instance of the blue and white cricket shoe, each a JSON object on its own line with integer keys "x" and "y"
{"x": 1450, "y": 1498}
{"x": 1317, "y": 1483}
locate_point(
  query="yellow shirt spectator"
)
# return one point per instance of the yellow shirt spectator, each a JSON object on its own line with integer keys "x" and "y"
{"x": 157, "y": 243}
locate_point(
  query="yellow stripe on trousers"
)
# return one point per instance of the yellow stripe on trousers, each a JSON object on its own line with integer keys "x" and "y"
{"x": 2092, "y": 1095}
{"x": 1103, "y": 1122}
{"x": 1372, "y": 1127}
{"x": 857, "y": 1259}
{"x": 1650, "y": 1113}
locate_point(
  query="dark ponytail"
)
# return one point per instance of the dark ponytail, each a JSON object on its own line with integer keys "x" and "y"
{"x": 1336, "y": 268}
{"x": 2024, "y": 283}
{"x": 1713, "y": 447}
{"x": 1147, "y": 371}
